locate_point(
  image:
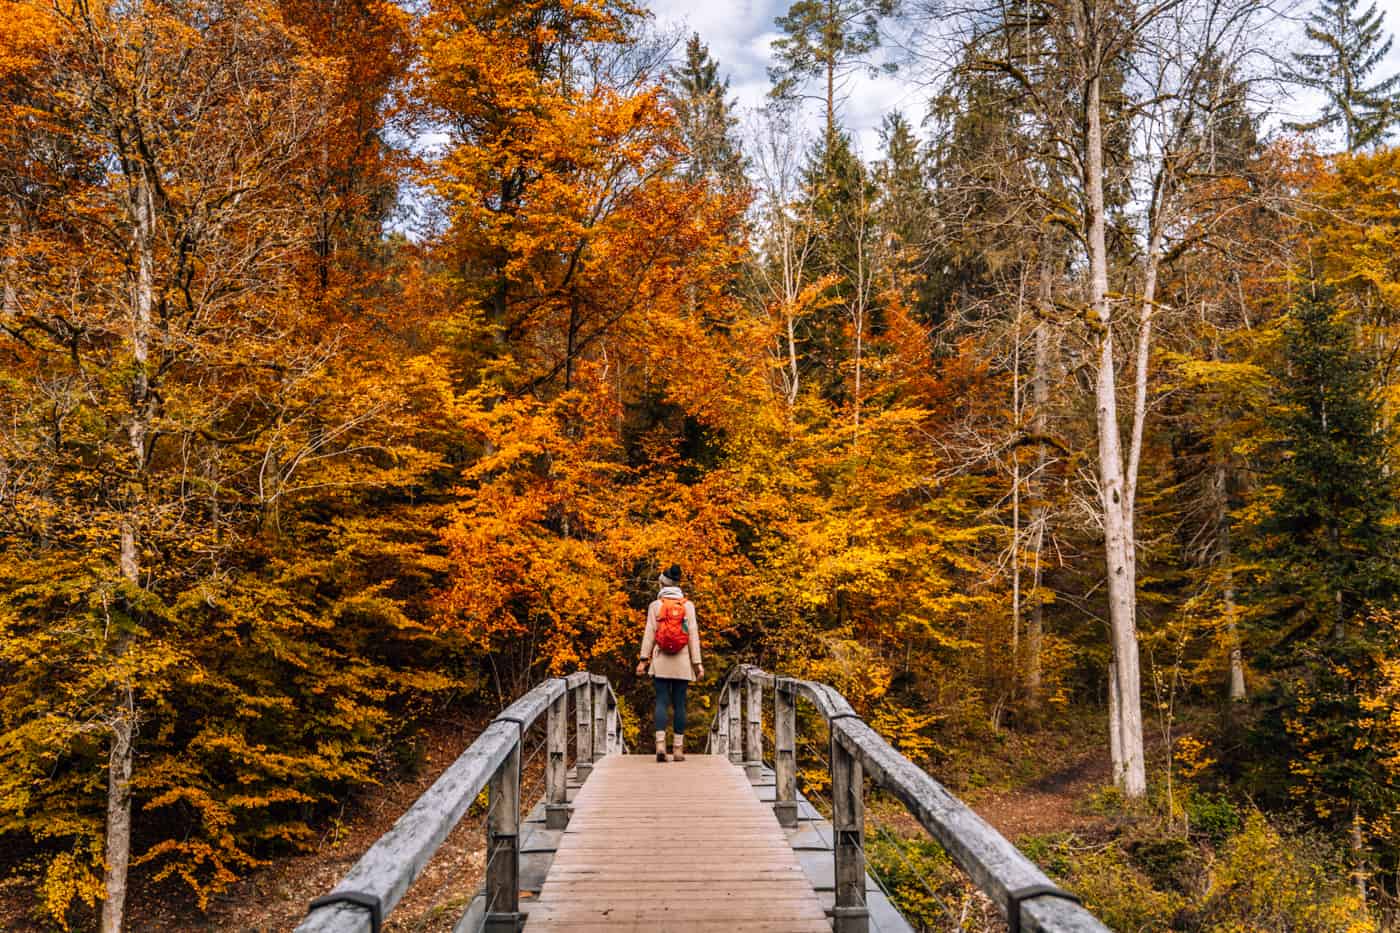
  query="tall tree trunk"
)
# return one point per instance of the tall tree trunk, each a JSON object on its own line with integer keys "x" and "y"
{"x": 9, "y": 272}
{"x": 1224, "y": 556}
{"x": 1120, "y": 558}
{"x": 860, "y": 350}
{"x": 792, "y": 291}
{"x": 121, "y": 756}
{"x": 1115, "y": 724}
{"x": 119, "y": 768}
{"x": 1035, "y": 483}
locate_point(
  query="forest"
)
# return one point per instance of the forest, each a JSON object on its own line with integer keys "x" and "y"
{"x": 363, "y": 362}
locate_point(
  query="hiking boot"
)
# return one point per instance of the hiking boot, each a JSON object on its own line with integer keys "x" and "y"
{"x": 661, "y": 745}
{"x": 679, "y": 746}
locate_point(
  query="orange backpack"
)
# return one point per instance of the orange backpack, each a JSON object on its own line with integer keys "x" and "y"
{"x": 672, "y": 631}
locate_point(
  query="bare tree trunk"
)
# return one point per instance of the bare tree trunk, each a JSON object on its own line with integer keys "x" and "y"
{"x": 1115, "y": 724}
{"x": 858, "y": 312}
{"x": 1358, "y": 853}
{"x": 122, "y": 754}
{"x": 860, "y": 348}
{"x": 119, "y": 768}
{"x": 1119, "y": 554}
{"x": 794, "y": 382}
{"x": 1223, "y": 556}
{"x": 1016, "y": 414}
{"x": 9, "y": 303}
{"x": 1036, "y": 486}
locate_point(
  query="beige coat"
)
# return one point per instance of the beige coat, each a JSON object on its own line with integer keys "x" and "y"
{"x": 682, "y": 664}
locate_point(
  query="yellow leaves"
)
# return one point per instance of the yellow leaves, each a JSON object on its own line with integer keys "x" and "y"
{"x": 31, "y": 29}
{"x": 1263, "y": 882}
{"x": 908, "y": 730}
{"x": 1356, "y": 236}
{"x": 74, "y": 875}
{"x": 1191, "y": 757}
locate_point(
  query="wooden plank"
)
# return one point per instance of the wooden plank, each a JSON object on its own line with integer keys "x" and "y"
{"x": 683, "y": 846}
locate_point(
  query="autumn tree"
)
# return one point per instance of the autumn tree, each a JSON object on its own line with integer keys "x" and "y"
{"x": 588, "y": 254}
{"x": 174, "y": 698}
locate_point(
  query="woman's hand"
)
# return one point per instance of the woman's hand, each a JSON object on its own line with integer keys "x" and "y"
{"x": 699, "y": 672}
{"x": 641, "y": 667}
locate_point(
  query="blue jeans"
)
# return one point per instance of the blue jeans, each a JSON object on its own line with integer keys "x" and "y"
{"x": 670, "y": 691}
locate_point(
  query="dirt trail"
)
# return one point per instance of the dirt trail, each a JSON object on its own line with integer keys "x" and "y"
{"x": 1049, "y": 805}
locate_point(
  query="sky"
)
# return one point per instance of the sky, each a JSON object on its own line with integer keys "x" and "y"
{"x": 739, "y": 33}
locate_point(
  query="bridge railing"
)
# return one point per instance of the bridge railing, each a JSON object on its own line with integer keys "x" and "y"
{"x": 1026, "y": 896}
{"x": 379, "y": 880}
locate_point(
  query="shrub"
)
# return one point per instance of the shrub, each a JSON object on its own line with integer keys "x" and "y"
{"x": 1263, "y": 881}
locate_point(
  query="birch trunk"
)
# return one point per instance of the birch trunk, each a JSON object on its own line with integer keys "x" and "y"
{"x": 9, "y": 303}
{"x": 1115, "y": 724}
{"x": 1035, "y": 484}
{"x": 1118, "y": 547}
{"x": 121, "y": 756}
{"x": 792, "y": 291}
{"x": 118, "y": 855}
{"x": 1224, "y": 556}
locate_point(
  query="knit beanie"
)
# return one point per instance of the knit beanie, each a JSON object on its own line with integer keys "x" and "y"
{"x": 671, "y": 576}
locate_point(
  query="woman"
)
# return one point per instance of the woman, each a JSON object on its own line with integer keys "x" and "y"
{"x": 671, "y": 649}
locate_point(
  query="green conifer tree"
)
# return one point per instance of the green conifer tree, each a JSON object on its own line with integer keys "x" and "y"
{"x": 1326, "y": 551}
{"x": 1352, "y": 46}
{"x": 706, "y": 116}
{"x": 839, "y": 195}
{"x": 1326, "y": 534}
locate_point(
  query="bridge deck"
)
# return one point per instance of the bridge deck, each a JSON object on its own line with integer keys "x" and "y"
{"x": 676, "y": 847}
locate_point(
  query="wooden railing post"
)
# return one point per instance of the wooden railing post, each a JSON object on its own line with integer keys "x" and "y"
{"x": 503, "y": 847}
{"x": 785, "y": 751}
{"x": 614, "y": 726}
{"x": 848, "y": 825}
{"x": 556, "y": 804}
{"x": 583, "y": 716}
{"x": 600, "y": 718}
{"x": 753, "y": 733}
{"x": 722, "y": 726}
{"x": 736, "y": 735}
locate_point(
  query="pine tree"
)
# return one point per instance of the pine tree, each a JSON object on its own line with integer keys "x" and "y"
{"x": 828, "y": 39}
{"x": 1326, "y": 534}
{"x": 706, "y": 116}
{"x": 839, "y": 196}
{"x": 1352, "y": 47}
{"x": 905, "y": 208}
{"x": 1327, "y": 546}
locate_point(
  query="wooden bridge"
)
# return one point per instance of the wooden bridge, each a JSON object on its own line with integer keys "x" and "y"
{"x": 721, "y": 842}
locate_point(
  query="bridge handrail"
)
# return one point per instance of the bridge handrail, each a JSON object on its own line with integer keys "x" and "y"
{"x": 378, "y": 881}
{"x": 1028, "y": 898}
